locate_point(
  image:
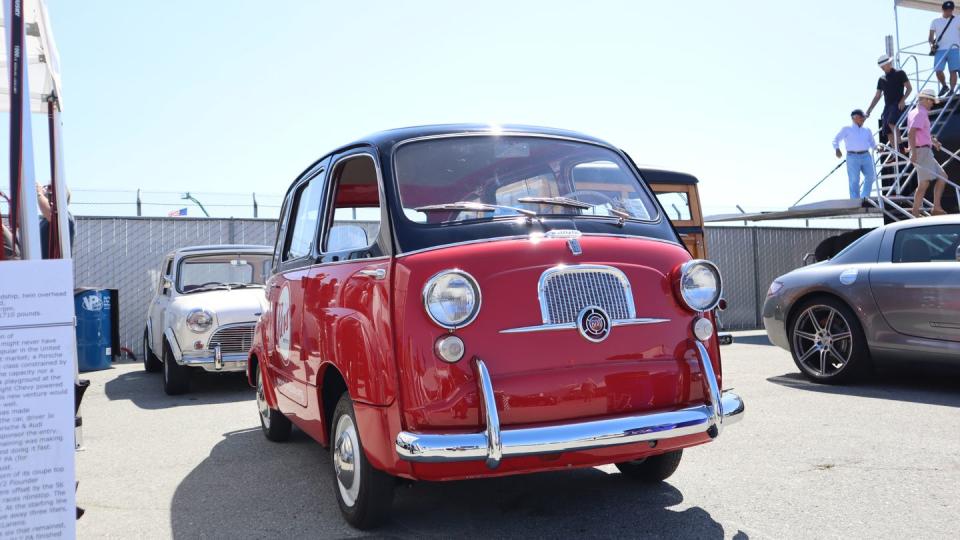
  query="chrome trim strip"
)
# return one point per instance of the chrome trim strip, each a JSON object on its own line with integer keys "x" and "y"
{"x": 573, "y": 326}
{"x": 583, "y": 268}
{"x": 492, "y": 445}
{"x": 524, "y": 237}
{"x": 464, "y": 243}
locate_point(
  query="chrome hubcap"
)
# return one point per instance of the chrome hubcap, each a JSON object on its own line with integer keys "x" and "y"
{"x": 345, "y": 457}
{"x": 822, "y": 340}
{"x": 262, "y": 402}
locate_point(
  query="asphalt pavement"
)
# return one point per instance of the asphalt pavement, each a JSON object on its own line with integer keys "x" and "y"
{"x": 877, "y": 459}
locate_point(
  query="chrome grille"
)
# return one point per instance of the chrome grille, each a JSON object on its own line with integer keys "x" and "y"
{"x": 566, "y": 290}
{"x": 233, "y": 339}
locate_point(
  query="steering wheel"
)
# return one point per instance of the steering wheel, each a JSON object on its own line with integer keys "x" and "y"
{"x": 589, "y": 193}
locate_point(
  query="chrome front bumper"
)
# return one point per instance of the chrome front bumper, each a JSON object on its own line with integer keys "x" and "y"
{"x": 493, "y": 444}
{"x": 214, "y": 360}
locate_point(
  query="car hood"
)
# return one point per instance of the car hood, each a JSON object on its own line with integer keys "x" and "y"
{"x": 227, "y": 307}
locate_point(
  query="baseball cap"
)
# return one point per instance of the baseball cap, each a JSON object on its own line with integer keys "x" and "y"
{"x": 884, "y": 59}
{"x": 858, "y": 112}
{"x": 948, "y": 5}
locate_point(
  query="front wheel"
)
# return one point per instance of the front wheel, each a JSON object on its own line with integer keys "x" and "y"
{"x": 276, "y": 426}
{"x": 652, "y": 469}
{"x": 363, "y": 493}
{"x": 827, "y": 342}
{"x": 175, "y": 377}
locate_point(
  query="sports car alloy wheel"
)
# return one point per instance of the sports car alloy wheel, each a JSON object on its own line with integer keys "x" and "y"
{"x": 822, "y": 340}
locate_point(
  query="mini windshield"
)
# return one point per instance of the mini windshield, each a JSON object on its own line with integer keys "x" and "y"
{"x": 222, "y": 271}
{"x": 485, "y": 177}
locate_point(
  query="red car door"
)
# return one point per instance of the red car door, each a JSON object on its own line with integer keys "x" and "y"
{"x": 297, "y": 256}
{"x": 347, "y": 294}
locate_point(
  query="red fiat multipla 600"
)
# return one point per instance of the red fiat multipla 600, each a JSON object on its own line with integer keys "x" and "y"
{"x": 465, "y": 301}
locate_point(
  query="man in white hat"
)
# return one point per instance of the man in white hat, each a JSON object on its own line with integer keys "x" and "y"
{"x": 894, "y": 86}
{"x": 922, "y": 144}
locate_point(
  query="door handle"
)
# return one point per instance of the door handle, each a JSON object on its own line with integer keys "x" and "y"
{"x": 379, "y": 273}
{"x": 274, "y": 285}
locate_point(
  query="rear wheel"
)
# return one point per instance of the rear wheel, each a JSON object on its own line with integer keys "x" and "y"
{"x": 151, "y": 363}
{"x": 652, "y": 469}
{"x": 176, "y": 378}
{"x": 276, "y": 426}
{"x": 363, "y": 493}
{"x": 827, "y": 342}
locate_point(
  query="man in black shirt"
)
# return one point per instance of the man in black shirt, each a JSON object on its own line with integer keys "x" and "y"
{"x": 46, "y": 214}
{"x": 894, "y": 86}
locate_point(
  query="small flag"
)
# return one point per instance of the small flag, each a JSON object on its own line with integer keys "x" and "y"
{"x": 175, "y": 213}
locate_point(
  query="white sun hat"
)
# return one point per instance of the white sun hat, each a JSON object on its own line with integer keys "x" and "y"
{"x": 883, "y": 60}
{"x": 929, "y": 93}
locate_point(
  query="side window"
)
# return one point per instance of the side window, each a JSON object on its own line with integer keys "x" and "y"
{"x": 167, "y": 268}
{"x": 677, "y": 205}
{"x": 927, "y": 244}
{"x": 355, "y": 221}
{"x": 302, "y": 224}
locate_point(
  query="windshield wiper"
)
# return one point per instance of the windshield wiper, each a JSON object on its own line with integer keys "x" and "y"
{"x": 472, "y": 207}
{"x": 556, "y": 201}
{"x": 238, "y": 285}
{"x": 210, "y": 287}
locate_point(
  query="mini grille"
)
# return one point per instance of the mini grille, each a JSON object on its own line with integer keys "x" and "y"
{"x": 565, "y": 291}
{"x": 233, "y": 339}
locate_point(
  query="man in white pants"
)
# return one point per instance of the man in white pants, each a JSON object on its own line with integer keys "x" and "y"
{"x": 860, "y": 144}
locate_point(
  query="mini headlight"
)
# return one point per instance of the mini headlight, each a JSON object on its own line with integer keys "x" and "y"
{"x": 700, "y": 285}
{"x": 774, "y": 288}
{"x": 199, "y": 320}
{"x": 452, "y": 298}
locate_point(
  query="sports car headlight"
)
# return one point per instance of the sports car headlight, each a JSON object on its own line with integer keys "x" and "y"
{"x": 199, "y": 320}
{"x": 452, "y": 298}
{"x": 700, "y": 285}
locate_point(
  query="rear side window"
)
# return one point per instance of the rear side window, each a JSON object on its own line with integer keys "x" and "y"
{"x": 302, "y": 225}
{"x": 355, "y": 221}
{"x": 926, "y": 244}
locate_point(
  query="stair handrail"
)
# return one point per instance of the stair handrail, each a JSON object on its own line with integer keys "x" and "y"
{"x": 944, "y": 178}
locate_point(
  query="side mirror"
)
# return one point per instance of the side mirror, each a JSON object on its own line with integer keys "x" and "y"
{"x": 347, "y": 238}
{"x": 167, "y": 283}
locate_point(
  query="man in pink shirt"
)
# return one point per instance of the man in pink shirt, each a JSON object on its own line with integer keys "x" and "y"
{"x": 921, "y": 153}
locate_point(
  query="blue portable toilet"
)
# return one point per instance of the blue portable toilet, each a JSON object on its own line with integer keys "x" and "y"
{"x": 94, "y": 328}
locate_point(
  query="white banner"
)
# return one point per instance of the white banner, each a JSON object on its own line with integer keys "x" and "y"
{"x": 37, "y": 357}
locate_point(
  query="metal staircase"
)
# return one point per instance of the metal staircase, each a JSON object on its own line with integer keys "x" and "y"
{"x": 896, "y": 175}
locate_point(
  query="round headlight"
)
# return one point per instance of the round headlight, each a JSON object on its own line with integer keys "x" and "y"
{"x": 700, "y": 285}
{"x": 199, "y": 320}
{"x": 452, "y": 298}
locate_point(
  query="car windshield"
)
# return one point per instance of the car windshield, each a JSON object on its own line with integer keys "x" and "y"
{"x": 457, "y": 179}
{"x": 222, "y": 271}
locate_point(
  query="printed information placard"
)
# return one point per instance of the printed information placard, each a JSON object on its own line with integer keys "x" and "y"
{"x": 37, "y": 355}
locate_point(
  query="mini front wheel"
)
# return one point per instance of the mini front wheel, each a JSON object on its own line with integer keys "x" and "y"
{"x": 652, "y": 469}
{"x": 363, "y": 493}
{"x": 176, "y": 378}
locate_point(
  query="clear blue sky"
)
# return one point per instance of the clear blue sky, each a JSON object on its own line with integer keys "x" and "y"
{"x": 239, "y": 96}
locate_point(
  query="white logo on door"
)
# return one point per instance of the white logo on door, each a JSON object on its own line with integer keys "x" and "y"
{"x": 92, "y": 303}
{"x": 283, "y": 325}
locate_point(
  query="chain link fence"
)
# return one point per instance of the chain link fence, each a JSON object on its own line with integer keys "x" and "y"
{"x": 124, "y": 253}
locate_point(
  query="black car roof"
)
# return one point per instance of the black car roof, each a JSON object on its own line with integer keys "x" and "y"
{"x": 663, "y": 176}
{"x": 392, "y": 136}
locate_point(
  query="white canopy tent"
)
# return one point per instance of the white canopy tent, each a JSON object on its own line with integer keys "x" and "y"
{"x": 929, "y": 5}
{"x": 25, "y": 26}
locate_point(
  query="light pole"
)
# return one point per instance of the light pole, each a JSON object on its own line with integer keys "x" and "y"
{"x": 188, "y": 197}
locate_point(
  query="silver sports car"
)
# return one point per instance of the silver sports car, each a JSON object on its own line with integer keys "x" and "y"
{"x": 895, "y": 292}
